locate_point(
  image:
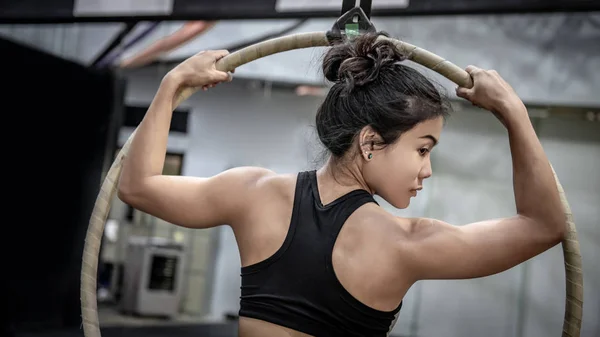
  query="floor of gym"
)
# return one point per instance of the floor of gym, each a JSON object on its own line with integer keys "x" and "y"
{"x": 182, "y": 330}
{"x": 115, "y": 324}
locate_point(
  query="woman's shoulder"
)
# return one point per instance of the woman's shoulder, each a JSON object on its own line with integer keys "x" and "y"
{"x": 376, "y": 219}
{"x": 277, "y": 183}
{"x": 266, "y": 181}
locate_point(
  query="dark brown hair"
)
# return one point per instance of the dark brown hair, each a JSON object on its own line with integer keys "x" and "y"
{"x": 372, "y": 87}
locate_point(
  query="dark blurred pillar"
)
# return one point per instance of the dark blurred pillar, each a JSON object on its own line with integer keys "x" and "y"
{"x": 60, "y": 124}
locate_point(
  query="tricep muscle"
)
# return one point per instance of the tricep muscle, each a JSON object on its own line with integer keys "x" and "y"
{"x": 195, "y": 202}
{"x": 442, "y": 251}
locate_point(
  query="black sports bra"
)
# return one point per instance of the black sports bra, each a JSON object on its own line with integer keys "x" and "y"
{"x": 297, "y": 288}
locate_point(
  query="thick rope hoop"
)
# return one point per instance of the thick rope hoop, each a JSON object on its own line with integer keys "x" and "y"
{"x": 89, "y": 267}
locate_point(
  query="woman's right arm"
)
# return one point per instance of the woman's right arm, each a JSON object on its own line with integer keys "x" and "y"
{"x": 185, "y": 201}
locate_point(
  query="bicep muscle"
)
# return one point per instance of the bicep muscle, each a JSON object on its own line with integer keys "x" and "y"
{"x": 444, "y": 251}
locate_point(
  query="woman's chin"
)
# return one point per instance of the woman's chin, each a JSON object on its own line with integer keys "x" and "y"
{"x": 402, "y": 204}
{"x": 399, "y": 202}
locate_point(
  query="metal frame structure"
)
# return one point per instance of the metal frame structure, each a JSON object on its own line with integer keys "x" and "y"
{"x": 64, "y": 11}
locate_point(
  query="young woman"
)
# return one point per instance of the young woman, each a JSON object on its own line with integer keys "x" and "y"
{"x": 319, "y": 256}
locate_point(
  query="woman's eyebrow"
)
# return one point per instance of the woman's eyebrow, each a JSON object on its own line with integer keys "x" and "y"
{"x": 432, "y": 138}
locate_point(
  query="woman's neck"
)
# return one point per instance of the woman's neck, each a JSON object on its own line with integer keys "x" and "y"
{"x": 341, "y": 176}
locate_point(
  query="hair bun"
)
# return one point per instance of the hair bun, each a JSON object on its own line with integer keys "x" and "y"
{"x": 359, "y": 62}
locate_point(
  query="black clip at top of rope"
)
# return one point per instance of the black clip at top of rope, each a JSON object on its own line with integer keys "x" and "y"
{"x": 355, "y": 20}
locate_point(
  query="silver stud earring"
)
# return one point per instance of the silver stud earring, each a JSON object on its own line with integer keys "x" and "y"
{"x": 370, "y": 156}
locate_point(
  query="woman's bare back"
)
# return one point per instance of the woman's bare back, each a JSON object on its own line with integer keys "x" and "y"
{"x": 362, "y": 260}
{"x": 251, "y": 327}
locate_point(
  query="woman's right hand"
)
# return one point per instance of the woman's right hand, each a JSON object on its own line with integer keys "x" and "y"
{"x": 491, "y": 92}
{"x": 200, "y": 71}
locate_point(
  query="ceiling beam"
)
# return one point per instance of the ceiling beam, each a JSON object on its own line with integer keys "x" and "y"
{"x": 74, "y": 11}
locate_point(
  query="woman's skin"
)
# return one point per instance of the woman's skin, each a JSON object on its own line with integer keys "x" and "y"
{"x": 257, "y": 203}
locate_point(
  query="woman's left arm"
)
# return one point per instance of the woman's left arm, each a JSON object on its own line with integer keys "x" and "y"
{"x": 441, "y": 251}
{"x": 438, "y": 250}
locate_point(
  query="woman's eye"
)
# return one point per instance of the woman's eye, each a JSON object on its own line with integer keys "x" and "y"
{"x": 423, "y": 151}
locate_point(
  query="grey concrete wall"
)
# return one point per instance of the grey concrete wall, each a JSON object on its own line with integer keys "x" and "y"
{"x": 76, "y": 42}
{"x": 236, "y": 125}
{"x": 549, "y": 58}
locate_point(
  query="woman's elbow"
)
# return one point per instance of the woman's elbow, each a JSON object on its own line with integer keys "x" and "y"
{"x": 559, "y": 229}
{"x": 562, "y": 231}
{"x": 553, "y": 228}
{"x": 125, "y": 191}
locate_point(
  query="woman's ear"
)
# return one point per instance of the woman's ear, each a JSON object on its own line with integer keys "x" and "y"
{"x": 368, "y": 141}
